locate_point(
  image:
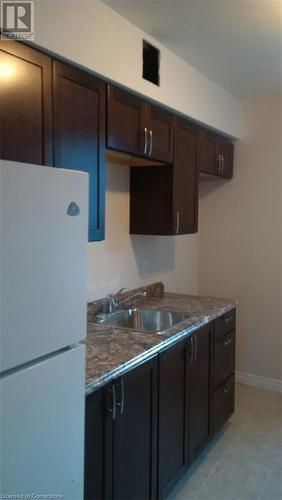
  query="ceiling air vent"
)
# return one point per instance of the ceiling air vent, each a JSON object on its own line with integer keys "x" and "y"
{"x": 151, "y": 63}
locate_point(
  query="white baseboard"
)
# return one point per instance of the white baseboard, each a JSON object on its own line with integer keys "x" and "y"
{"x": 272, "y": 384}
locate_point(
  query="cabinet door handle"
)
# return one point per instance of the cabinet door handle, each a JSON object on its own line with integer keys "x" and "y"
{"x": 177, "y": 222}
{"x": 229, "y": 318}
{"x": 113, "y": 410}
{"x": 218, "y": 166}
{"x": 222, "y": 156}
{"x": 121, "y": 404}
{"x": 227, "y": 388}
{"x": 192, "y": 349}
{"x": 227, "y": 342}
{"x": 151, "y": 143}
{"x": 196, "y": 346}
{"x": 146, "y": 141}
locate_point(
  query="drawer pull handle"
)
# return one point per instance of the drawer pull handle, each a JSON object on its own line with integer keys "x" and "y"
{"x": 227, "y": 388}
{"x": 226, "y": 320}
{"x": 228, "y": 342}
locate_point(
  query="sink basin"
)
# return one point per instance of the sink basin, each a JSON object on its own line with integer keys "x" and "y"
{"x": 150, "y": 320}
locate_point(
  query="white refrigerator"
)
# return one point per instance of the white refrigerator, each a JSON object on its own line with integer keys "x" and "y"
{"x": 43, "y": 243}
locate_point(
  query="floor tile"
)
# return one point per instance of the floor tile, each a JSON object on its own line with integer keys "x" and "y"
{"x": 234, "y": 480}
{"x": 273, "y": 487}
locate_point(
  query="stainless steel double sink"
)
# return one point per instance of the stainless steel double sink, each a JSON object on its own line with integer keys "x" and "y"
{"x": 142, "y": 319}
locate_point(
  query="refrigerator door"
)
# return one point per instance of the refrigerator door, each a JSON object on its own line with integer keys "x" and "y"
{"x": 42, "y": 428}
{"x": 43, "y": 244}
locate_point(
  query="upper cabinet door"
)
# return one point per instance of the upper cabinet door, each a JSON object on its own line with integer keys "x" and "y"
{"x": 186, "y": 178}
{"x": 226, "y": 151}
{"x": 160, "y": 134}
{"x": 138, "y": 128}
{"x": 79, "y": 140}
{"x": 125, "y": 122}
{"x": 164, "y": 199}
{"x": 208, "y": 153}
{"x": 216, "y": 155}
{"x": 25, "y": 118}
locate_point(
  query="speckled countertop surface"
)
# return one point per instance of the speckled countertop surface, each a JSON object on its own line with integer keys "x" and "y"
{"x": 111, "y": 352}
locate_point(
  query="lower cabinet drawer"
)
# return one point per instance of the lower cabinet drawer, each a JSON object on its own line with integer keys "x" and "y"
{"x": 224, "y": 359}
{"x": 224, "y": 324}
{"x": 223, "y": 403}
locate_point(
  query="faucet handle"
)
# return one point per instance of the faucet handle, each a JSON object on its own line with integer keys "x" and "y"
{"x": 111, "y": 300}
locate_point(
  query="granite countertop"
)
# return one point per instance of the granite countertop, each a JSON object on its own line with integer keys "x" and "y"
{"x": 111, "y": 352}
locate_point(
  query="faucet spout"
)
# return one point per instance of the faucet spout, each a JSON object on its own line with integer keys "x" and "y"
{"x": 113, "y": 303}
{"x": 131, "y": 297}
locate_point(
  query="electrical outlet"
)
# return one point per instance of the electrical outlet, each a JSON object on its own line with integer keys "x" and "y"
{"x": 145, "y": 269}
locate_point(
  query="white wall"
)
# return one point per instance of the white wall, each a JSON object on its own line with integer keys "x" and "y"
{"x": 118, "y": 261}
{"x": 240, "y": 240}
{"x": 93, "y": 35}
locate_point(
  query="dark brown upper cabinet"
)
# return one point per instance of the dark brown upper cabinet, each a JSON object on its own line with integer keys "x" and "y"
{"x": 186, "y": 177}
{"x": 159, "y": 130}
{"x": 164, "y": 199}
{"x": 26, "y": 104}
{"x": 79, "y": 134}
{"x": 216, "y": 155}
{"x": 125, "y": 121}
{"x": 138, "y": 128}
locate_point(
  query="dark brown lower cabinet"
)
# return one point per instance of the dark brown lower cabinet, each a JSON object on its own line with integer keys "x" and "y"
{"x": 223, "y": 369}
{"x": 135, "y": 435}
{"x": 144, "y": 429}
{"x": 184, "y": 406}
{"x": 95, "y": 445}
{"x": 199, "y": 390}
{"x": 121, "y": 437}
{"x": 172, "y": 430}
{"x": 224, "y": 358}
{"x": 223, "y": 401}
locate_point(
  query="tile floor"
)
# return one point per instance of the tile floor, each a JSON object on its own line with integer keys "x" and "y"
{"x": 244, "y": 462}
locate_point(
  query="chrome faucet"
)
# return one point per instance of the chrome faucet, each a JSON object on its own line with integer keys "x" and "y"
{"x": 113, "y": 303}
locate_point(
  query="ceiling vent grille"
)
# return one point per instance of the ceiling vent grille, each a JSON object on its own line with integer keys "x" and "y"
{"x": 151, "y": 63}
